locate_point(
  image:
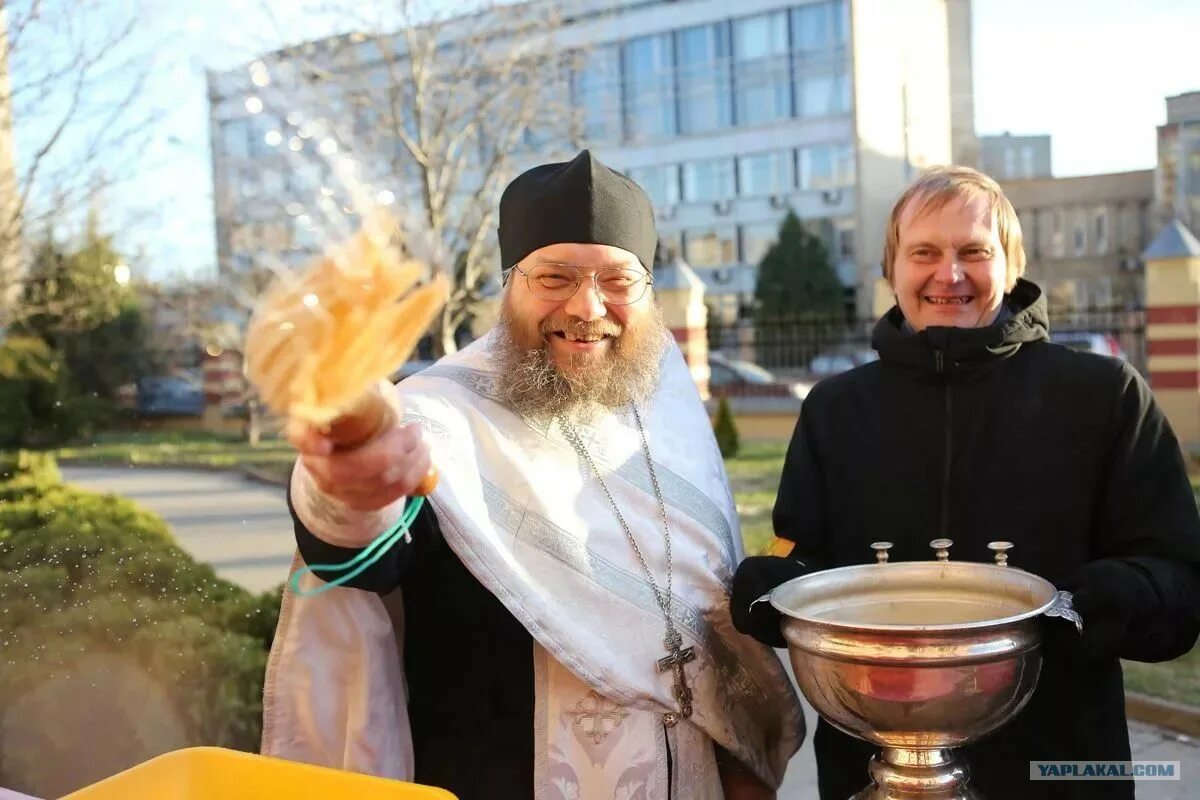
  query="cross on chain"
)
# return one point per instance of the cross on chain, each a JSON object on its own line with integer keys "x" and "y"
{"x": 675, "y": 660}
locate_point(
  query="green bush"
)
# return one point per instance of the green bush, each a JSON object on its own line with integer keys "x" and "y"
{"x": 42, "y": 406}
{"x": 726, "y": 430}
{"x": 90, "y": 581}
{"x": 29, "y": 466}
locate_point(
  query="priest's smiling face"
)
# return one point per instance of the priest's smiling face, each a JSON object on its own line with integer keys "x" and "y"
{"x": 579, "y": 328}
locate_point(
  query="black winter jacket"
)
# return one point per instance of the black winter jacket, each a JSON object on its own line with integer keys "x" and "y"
{"x": 997, "y": 434}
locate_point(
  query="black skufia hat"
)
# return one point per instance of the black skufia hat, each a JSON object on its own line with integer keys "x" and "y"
{"x": 579, "y": 201}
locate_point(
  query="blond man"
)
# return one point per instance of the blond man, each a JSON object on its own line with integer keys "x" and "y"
{"x": 974, "y": 426}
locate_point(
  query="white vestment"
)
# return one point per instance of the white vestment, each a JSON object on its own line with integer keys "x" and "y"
{"x": 527, "y": 516}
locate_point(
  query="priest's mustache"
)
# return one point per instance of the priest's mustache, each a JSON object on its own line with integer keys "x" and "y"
{"x": 582, "y": 328}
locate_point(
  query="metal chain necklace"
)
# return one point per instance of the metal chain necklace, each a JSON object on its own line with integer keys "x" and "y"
{"x": 677, "y": 655}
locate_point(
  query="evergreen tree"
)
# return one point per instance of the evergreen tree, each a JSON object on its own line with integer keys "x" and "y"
{"x": 796, "y": 275}
{"x": 725, "y": 430}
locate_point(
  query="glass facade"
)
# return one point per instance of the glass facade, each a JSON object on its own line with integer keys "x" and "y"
{"x": 761, "y": 67}
{"x": 825, "y": 166}
{"x": 741, "y": 71}
{"x": 660, "y": 182}
{"x": 594, "y": 95}
{"x": 649, "y": 87}
{"x": 702, "y": 78}
{"x": 761, "y": 174}
{"x": 708, "y": 181}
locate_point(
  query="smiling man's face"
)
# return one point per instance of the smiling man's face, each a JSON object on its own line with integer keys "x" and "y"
{"x": 950, "y": 268}
{"x": 555, "y": 354}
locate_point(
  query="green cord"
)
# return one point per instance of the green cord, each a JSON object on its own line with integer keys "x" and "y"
{"x": 369, "y": 555}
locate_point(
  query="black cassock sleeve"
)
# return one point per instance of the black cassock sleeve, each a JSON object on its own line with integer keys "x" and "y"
{"x": 393, "y": 566}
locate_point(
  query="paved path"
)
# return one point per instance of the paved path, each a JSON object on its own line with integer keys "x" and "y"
{"x": 242, "y": 528}
{"x": 238, "y": 525}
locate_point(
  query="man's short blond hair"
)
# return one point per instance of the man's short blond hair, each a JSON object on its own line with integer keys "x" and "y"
{"x": 940, "y": 185}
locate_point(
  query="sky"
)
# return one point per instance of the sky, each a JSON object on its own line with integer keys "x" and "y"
{"x": 1091, "y": 73}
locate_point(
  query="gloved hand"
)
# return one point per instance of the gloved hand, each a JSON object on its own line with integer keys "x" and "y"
{"x": 1109, "y": 594}
{"x": 756, "y": 576}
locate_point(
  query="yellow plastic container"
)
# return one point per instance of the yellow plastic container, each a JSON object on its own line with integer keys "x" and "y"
{"x": 213, "y": 773}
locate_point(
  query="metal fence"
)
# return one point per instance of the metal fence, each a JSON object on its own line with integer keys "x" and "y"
{"x": 810, "y": 346}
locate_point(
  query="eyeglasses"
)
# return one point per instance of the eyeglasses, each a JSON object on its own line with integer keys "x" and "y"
{"x": 618, "y": 286}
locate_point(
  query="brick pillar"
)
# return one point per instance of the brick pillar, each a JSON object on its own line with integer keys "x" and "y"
{"x": 1173, "y": 328}
{"x": 680, "y": 294}
{"x": 223, "y": 383}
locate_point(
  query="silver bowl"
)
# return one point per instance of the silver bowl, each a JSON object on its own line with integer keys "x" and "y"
{"x": 917, "y": 658}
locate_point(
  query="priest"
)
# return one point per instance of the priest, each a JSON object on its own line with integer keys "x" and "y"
{"x": 557, "y": 623}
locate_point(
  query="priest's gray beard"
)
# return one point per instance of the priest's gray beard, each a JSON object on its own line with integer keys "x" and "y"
{"x": 587, "y": 384}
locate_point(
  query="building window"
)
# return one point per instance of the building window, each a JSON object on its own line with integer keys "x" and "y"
{"x": 847, "y": 172}
{"x": 1027, "y": 161}
{"x": 819, "y": 33}
{"x": 757, "y": 239}
{"x": 826, "y": 166}
{"x": 702, "y": 74}
{"x": 649, "y": 94}
{"x": 843, "y": 239}
{"x": 762, "y": 71}
{"x": 1079, "y": 233}
{"x": 819, "y": 26}
{"x": 765, "y": 174}
{"x": 711, "y": 247}
{"x": 1010, "y": 163}
{"x": 708, "y": 181}
{"x": 595, "y": 93}
{"x": 660, "y": 182}
{"x": 235, "y": 138}
{"x": 670, "y": 245}
{"x": 1058, "y": 235}
{"x": 1100, "y": 292}
{"x": 1100, "y": 231}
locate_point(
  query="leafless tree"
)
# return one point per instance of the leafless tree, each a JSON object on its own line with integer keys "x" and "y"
{"x": 434, "y": 113}
{"x": 71, "y": 74}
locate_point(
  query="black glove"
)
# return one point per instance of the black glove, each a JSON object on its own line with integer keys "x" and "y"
{"x": 756, "y": 576}
{"x": 1109, "y": 594}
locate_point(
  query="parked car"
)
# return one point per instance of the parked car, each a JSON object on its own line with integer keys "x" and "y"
{"x": 729, "y": 377}
{"x": 170, "y": 395}
{"x": 1090, "y": 342}
{"x": 840, "y": 360}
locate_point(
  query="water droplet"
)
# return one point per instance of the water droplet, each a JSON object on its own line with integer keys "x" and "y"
{"x": 273, "y": 138}
{"x": 327, "y": 147}
{"x": 254, "y": 104}
{"x": 259, "y": 74}
{"x": 295, "y": 144}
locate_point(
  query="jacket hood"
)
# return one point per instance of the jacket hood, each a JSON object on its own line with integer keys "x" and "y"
{"x": 940, "y": 350}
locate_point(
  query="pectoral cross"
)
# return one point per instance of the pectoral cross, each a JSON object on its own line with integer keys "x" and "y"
{"x": 677, "y": 656}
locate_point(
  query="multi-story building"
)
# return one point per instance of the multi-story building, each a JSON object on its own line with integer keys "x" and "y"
{"x": 1009, "y": 158}
{"x": 1177, "y": 184}
{"x": 1084, "y": 236}
{"x": 731, "y": 114}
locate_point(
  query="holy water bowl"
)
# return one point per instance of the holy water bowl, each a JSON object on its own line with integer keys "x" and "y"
{"x": 918, "y": 658}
